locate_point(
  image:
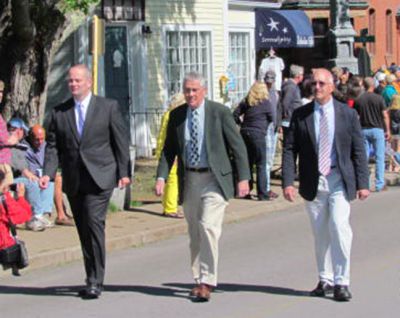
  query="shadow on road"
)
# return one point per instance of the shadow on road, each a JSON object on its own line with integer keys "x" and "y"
{"x": 72, "y": 291}
{"x": 224, "y": 287}
{"x": 177, "y": 290}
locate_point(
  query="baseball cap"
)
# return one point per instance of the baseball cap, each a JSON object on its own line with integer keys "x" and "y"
{"x": 18, "y": 123}
{"x": 380, "y": 77}
{"x": 269, "y": 77}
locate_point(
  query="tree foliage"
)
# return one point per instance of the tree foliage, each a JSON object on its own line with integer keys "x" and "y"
{"x": 31, "y": 31}
{"x": 78, "y": 5}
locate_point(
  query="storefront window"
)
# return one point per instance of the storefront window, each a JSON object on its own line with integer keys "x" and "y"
{"x": 239, "y": 66}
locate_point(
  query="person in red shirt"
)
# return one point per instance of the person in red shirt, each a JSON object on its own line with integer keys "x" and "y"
{"x": 15, "y": 209}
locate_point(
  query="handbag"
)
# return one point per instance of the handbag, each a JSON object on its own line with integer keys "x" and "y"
{"x": 15, "y": 256}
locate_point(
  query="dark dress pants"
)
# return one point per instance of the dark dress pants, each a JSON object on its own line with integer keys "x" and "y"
{"x": 89, "y": 207}
{"x": 256, "y": 151}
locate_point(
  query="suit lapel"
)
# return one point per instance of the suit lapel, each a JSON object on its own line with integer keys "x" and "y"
{"x": 181, "y": 130}
{"x": 339, "y": 120}
{"x": 311, "y": 125}
{"x": 71, "y": 119}
{"x": 207, "y": 132}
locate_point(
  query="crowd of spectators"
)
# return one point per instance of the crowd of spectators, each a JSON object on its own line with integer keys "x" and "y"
{"x": 21, "y": 161}
{"x": 375, "y": 98}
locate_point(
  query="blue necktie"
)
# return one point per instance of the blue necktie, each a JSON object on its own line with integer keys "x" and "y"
{"x": 81, "y": 119}
{"x": 194, "y": 157}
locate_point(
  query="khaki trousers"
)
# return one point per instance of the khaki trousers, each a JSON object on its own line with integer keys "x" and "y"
{"x": 204, "y": 208}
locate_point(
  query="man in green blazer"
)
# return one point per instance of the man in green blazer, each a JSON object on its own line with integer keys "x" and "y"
{"x": 203, "y": 136}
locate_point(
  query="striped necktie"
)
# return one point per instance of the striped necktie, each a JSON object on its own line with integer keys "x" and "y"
{"x": 325, "y": 145}
{"x": 194, "y": 156}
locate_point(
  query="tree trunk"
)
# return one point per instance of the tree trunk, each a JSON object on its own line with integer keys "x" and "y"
{"x": 30, "y": 32}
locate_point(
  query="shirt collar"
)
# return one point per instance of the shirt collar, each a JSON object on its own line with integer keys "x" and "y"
{"x": 328, "y": 106}
{"x": 85, "y": 102}
{"x": 200, "y": 108}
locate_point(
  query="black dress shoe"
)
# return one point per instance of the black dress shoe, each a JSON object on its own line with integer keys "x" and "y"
{"x": 341, "y": 293}
{"x": 322, "y": 289}
{"x": 92, "y": 291}
{"x": 264, "y": 198}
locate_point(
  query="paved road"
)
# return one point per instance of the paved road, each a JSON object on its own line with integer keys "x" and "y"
{"x": 267, "y": 267}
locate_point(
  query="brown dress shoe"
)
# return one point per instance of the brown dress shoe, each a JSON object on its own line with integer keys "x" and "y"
{"x": 195, "y": 291}
{"x": 204, "y": 292}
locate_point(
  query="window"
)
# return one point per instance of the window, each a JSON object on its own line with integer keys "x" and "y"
{"x": 389, "y": 32}
{"x": 187, "y": 51}
{"x": 239, "y": 65}
{"x": 372, "y": 29}
{"x": 320, "y": 26}
{"x": 123, "y": 10}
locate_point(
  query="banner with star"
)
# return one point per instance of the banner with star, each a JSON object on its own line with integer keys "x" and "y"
{"x": 283, "y": 29}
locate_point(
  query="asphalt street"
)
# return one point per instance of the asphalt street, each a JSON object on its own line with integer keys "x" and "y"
{"x": 267, "y": 267}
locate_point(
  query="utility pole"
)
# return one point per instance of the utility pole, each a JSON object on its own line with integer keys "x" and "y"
{"x": 97, "y": 49}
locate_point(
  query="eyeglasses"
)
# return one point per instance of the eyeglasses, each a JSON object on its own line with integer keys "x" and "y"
{"x": 320, "y": 83}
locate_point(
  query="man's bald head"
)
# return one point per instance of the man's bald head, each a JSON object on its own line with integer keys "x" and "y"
{"x": 38, "y": 136}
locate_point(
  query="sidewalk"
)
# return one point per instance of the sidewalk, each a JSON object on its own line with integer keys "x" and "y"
{"x": 138, "y": 226}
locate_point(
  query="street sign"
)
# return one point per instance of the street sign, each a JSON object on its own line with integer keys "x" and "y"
{"x": 364, "y": 38}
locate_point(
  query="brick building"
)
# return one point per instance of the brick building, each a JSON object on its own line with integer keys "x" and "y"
{"x": 382, "y": 19}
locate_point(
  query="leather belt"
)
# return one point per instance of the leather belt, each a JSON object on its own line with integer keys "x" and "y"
{"x": 199, "y": 170}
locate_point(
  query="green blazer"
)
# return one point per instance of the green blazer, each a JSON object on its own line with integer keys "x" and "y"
{"x": 226, "y": 151}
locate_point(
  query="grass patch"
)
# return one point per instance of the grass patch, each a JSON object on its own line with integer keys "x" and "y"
{"x": 112, "y": 207}
{"x": 143, "y": 182}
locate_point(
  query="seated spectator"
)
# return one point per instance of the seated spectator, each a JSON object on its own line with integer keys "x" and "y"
{"x": 41, "y": 200}
{"x": 35, "y": 160}
{"x": 63, "y": 218}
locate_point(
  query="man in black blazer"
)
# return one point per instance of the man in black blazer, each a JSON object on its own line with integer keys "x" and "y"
{"x": 326, "y": 137}
{"x": 204, "y": 137}
{"x": 88, "y": 138}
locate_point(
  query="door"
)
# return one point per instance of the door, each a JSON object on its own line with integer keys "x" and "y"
{"x": 116, "y": 67}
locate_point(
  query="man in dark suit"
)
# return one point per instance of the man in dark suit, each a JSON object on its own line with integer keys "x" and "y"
{"x": 326, "y": 137}
{"x": 88, "y": 137}
{"x": 203, "y": 136}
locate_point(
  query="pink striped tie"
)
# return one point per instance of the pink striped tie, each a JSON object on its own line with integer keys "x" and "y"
{"x": 325, "y": 146}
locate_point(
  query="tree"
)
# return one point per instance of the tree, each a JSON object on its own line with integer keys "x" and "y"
{"x": 31, "y": 31}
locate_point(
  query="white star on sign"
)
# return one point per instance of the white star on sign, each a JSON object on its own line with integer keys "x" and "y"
{"x": 285, "y": 30}
{"x": 273, "y": 25}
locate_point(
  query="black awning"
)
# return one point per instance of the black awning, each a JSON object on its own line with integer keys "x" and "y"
{"x": 283, "y": 28}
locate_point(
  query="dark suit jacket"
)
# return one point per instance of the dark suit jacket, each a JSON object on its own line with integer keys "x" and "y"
{"x": 348, "y": 141}
{"x": 223, "y": 143}
{"x": 103, "y": 148}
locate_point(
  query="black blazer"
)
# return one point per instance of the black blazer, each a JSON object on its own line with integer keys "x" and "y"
{"x": 103, "y": 148}
{"x": 349, "y": 144}
{"x": 223, "y": 143}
